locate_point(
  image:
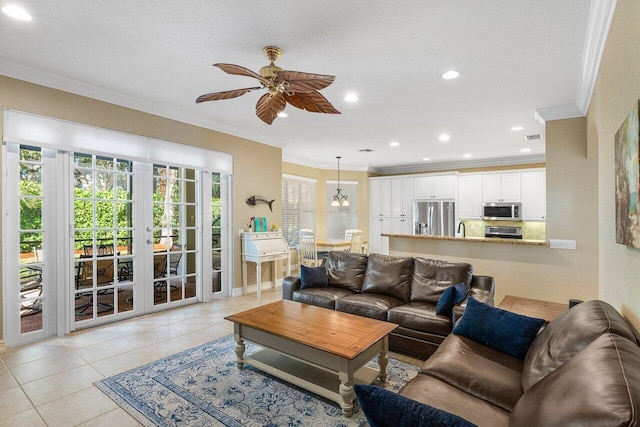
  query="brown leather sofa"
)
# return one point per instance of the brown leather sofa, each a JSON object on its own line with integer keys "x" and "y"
{"x": 402, "y": 290}
{"x": 582, "y": 369}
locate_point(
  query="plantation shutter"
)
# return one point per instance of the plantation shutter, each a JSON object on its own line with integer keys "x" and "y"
{"x": 298, "y": 206}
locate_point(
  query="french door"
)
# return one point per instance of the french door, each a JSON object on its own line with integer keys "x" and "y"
{"x": 91, "y": 239}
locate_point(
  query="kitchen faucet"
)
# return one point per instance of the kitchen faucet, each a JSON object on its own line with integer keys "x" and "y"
{"x": 464, "y": 229}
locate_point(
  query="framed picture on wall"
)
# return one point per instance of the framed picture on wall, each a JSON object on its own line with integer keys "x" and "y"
{"x": 627, "y": 170}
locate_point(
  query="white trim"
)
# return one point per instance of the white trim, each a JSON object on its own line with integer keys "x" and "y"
{"x": 600, "y": 17}
{"x": 560, "y": 112}
{"x": 299, "y": 178}
{"x": 305, "y": 162}
{"x": 453, "y": 166}
{"x": 31, "y": 129}
{"x": 333, "y": 181}
{"x": 3, "y": 346}
{"x": 237, "y": 292}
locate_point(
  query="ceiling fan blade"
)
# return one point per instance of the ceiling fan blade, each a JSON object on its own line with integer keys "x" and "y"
{"x": 311, "y": 101}
{"x": 301, "y": 82}
{"x": 237, "y": 70}
{"x": 217, "y": 96}
{"x": 268, "y": 107}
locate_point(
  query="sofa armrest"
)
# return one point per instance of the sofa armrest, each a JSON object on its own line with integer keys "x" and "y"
{"x": 482, "y": 289}
{"x": 290, "y": 284}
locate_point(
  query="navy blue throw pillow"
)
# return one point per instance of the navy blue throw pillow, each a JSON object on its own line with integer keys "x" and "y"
{"x": 499, "y": 329}
{"x": 450, "y": 297}
{"x": 384, "y": 408}
{"x": 313, "y": 277}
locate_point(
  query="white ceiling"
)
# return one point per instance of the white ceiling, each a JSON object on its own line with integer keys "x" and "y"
{"x": 515, "y": 57}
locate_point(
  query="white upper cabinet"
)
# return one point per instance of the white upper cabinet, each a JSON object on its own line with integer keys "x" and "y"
{"x": 380, "y": 197}
{"x": 435, "y": 187}
{"x": 470, "y": 197}
{"x": 534, "y": 196}
{"x": 402, "y": 197}
{"x": 501, "y": 187}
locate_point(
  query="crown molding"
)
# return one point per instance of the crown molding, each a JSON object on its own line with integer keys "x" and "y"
{"x": 304, "y": 162}
{"x": 598, "y": 26}
{"x": 569, "y": 111}
{"x": 54, "y": 81}
{"x": 435, "y": 167}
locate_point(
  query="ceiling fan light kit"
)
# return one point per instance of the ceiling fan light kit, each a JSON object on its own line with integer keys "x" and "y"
{"x": 297, "y": 88}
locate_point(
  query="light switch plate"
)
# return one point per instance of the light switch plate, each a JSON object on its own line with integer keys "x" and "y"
{"x": 562, "y": 244}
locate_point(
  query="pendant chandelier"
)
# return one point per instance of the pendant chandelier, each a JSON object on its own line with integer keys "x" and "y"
{"x": 339, "y": 199}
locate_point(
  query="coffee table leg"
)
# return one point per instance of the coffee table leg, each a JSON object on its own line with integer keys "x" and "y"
{"x": 348, "y": 395}
{"x": 240, "y": 351}
{"x": 383, "y": 360}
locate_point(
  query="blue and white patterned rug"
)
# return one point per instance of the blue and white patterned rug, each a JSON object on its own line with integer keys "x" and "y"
{"x": 203, "y": 386}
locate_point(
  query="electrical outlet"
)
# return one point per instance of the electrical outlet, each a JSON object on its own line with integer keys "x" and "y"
{"x": 562, "y": 244}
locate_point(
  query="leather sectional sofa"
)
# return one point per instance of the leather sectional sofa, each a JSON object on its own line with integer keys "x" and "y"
{"x": 402, "y": 290}
{"x": 582, "y": 369}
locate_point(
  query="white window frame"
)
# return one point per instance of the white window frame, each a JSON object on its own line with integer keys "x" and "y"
{"x": 293, "y": 209}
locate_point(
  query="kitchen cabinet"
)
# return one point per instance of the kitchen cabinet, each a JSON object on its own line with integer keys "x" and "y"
{"x": 402, "y": 197}
{"x": 534, "y": 196}
{"x": 435, "y": 187}
{"x": 501, "y": 187}
{"x": 401, "y": 225}
{"x": 377, "y": 243}
{"x": 380, "y": 197}
{"x": 469, "y": 197}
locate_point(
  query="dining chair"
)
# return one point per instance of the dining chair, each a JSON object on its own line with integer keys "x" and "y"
{"x": 348, "y": 232}
{"x": 105, "y": 275}
{"x": 357, "y": 243}
{"x": 308, "y": 249}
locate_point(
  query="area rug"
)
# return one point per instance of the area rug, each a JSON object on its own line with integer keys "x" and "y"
{"x": 203, "y": 386}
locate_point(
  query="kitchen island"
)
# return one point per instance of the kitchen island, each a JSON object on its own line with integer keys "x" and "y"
{"x": 472, "y": 239}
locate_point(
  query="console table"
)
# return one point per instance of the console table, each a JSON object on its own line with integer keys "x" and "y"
{"x": 533, "y": 307}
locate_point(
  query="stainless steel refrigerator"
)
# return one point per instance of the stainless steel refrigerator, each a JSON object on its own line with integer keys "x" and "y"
{"x": 434, "y": 218}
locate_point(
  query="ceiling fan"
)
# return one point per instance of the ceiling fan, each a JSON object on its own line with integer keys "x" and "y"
{"x": 294, "y": 87}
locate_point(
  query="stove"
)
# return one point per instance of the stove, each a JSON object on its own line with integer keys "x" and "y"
{"x": 503, "y": 232}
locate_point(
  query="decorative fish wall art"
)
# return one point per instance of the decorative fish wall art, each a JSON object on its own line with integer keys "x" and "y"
{"x": 258, "y": 200}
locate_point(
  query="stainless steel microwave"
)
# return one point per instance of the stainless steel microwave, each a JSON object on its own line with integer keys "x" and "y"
{"x": 502, "y": 211}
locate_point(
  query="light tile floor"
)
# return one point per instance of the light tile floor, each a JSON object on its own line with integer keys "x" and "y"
{"x": 50, "y": 383}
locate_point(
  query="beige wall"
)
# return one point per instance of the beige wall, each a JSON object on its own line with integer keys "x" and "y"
{"x": 323, "y": 175}
{"x": 534, "y": 271}
{"x": 617, "y": 89}
{"x": 257, "y": 167}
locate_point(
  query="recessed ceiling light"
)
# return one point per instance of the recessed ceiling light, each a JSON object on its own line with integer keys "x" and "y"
{"x": 444, "y": 137}
{"x": 525, "y": 150}
{"x": 16, "y": 12}
{"x": 466, "y": 156}
{"x": 517, "y": 128}
{"x": 394, "y": 144}
{"x": 351, "y": 97}
{"x": 451, "y": 74}
{"x": 282, "y": 114}
{"x": 426, "y": 159}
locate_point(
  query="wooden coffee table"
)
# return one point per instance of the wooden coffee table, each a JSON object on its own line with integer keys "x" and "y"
{"x": 321, "y": 350}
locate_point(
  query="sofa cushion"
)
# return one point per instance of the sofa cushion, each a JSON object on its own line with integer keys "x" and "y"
{"x": 436, "y": 393}
{"x": 431, "y": 277}
{"x": 388, "y": 275}
{"x": 420, "y": 316}
{"x": 481, "y": 371}
{"x": 368, "y": 305}
{"x": 385, "y": 408}
{"x": 451, "y": 296}
{"x": 322, "y": 297}
{"x": 568, "y": 334}
{"x": 599, "y": 386}
{"x": 500, "y": 329}
{"x": 346, "y": 270}
{"x": 313, "y": 277}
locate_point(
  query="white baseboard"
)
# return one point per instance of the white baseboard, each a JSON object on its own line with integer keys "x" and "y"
{"x": 3, "y": 346}
{"x": 252, "y": 289}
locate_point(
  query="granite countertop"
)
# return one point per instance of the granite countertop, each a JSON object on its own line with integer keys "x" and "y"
{"x": 474, "y": 239}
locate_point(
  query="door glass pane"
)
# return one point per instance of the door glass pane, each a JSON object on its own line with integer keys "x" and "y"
{"x": 31, "y": 268}
{"x": 216, "y": 234}
{"x": 174, "y": 237}
{"x": 103, "y": 237}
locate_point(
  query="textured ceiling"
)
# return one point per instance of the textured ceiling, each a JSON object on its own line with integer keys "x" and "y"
{"x": 156, "y": 55}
